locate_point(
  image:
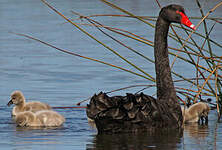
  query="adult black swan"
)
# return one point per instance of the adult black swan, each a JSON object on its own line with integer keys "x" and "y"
{"x": 132, "y": 113}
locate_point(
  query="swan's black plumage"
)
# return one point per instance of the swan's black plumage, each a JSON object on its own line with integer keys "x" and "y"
{"x": 118, "y": 113}
{"x": 135, "y": 112}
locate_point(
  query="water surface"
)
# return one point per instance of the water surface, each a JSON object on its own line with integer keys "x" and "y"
{"x": 47, "y": 75}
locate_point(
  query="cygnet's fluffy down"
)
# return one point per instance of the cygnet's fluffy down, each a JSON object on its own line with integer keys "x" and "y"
{"x": 21, "y": 105}
{"x": 196, "y": 112}
{"x": 44, "y": 118}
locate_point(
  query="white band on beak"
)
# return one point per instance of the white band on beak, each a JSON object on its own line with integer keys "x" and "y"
{"x": 192, "y": 26}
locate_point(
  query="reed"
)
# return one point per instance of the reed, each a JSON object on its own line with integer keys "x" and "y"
{"x": 206, "y": 64}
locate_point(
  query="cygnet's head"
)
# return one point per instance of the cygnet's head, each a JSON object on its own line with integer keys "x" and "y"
{"x": 24, "y": 118}
{"x": 16, "y": 98}
{"x": 21, "y": 120}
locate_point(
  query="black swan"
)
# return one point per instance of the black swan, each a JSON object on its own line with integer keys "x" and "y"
{"x": 135, "y": 112}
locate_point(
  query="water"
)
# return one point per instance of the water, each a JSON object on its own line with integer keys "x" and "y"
{"x": 47, "y": 75}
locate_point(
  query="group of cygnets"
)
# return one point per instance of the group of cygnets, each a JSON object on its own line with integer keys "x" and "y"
{"x": 33, "y": 114}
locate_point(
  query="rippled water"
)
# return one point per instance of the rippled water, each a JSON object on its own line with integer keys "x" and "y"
{"x": 47, "y": 75}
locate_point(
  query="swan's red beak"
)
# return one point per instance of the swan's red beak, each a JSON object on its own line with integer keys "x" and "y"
{"x": 185, "y": 20}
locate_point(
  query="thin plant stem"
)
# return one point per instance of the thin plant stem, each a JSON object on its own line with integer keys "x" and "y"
{"x": 102, "y": 25}
{"x": 213, "y": 9}
{"x": 145, "y": 17}
{"x": 71, "y": 53}
{"x": 217, "y": 99}
{"x": 121, "y": 43}
{"x": 104, "y": 45}
{"x": 206, "y": 81}
{"x": 205, "y": 28}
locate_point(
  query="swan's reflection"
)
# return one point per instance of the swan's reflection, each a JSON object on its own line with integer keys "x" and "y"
{"x": 138, "y": 141}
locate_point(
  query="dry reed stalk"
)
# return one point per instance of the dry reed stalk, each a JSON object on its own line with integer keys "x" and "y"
{"x": 205, "y": 83}
{"x": 98, "y": 41}
{"x": 106, "y": 34}
{"x": 145, "y": 41}
{"x": 183, "y": 46}
{"x": 121, "y": 43}
{"x": 213, "y": 9}
{"x": 217, "y": 99}
{"x": 75, "y": 54}
{"x": 198, "y": 66}
{"x": 145, "y": 17}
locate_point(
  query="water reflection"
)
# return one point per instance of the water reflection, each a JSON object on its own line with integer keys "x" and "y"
{"x": 197, "y": 136}
{"x": 196, "y": 131}
{"x": 138, "y": 141}
{"x": 25, "y": 136}
{"x": 37, "y": 128}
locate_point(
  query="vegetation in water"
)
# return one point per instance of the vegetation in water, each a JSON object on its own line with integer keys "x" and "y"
{"x": 206, "y": 81}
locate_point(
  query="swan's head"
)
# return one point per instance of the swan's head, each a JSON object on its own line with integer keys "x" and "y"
{"x": 16, "y": 98}
{"x": 175, "y": 13}
{"x": 23, "y": 119}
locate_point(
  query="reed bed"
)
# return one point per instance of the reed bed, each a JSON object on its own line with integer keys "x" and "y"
{"x": 206, "y": 80}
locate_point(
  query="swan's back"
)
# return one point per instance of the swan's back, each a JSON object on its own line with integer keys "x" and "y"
{"x": 199, "y": 108}
{"x": 122, "y": 113}
{"x": 49, "y": 118}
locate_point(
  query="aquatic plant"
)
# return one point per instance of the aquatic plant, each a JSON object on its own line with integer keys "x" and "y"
{"x": 206, "y": 80}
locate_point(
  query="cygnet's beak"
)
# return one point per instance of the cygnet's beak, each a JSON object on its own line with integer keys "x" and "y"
{"x": 10, "y": 103}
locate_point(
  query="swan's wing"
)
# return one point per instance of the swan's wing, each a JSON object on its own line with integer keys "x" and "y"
{"x": 119, "y": 112}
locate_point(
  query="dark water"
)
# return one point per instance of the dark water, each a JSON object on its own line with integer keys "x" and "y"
{"x": 47, "y": 75}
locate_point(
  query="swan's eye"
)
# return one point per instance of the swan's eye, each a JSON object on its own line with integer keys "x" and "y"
{"x": 178, "y": 17}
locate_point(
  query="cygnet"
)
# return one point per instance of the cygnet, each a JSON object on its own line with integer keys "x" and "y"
{"x": 21, "y": 105}
{"x": 196, "y": 112}
{"x": 44, "y": 118}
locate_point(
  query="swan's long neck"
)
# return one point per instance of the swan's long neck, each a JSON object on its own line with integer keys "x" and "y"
{"x": 164, "y": 82}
